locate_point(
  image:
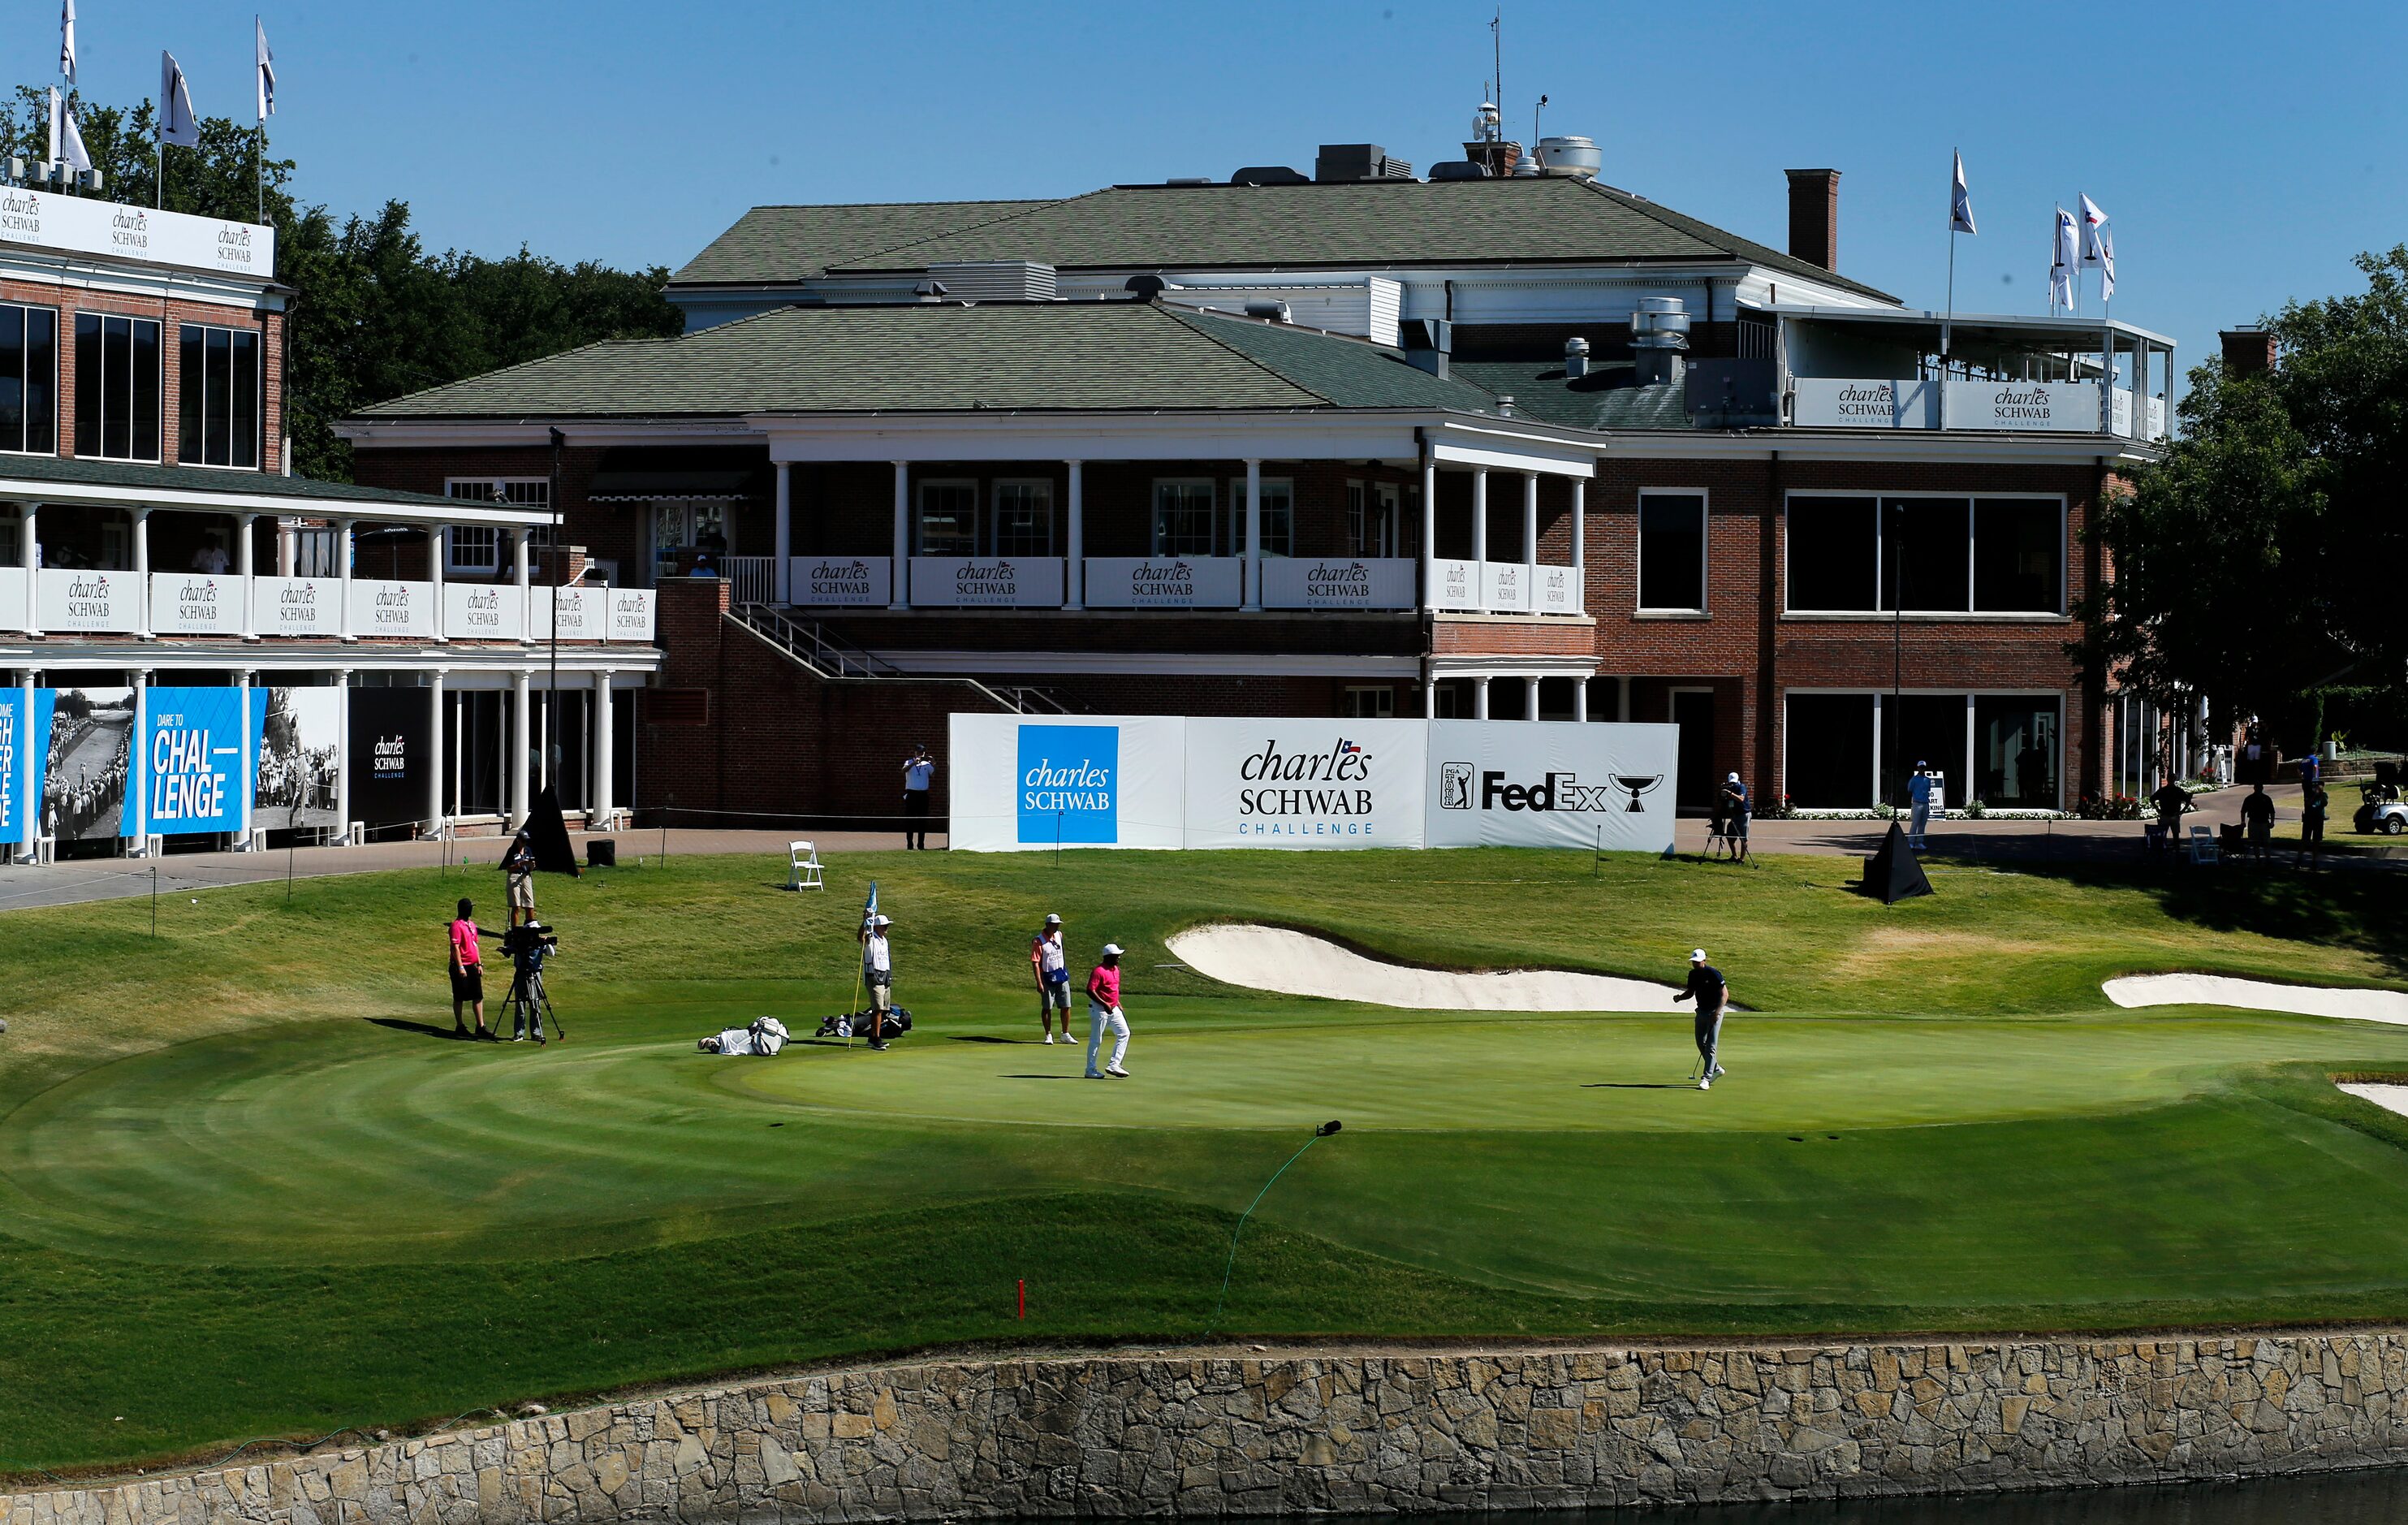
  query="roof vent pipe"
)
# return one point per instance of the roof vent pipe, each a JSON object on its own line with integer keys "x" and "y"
{"x": 1269, "y": 311}
{"x": 1575, "y": 358}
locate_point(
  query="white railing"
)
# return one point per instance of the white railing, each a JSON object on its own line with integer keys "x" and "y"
{"x": 71, "y": 601}
{"x": 1349, "y": 583}
{"x": 2018, "y": 407}
{"x": 1165, "y": 582}
{"x": 840, "y": 582}
{"x": 987, "y": 581}
{"x": 750, "y": 579}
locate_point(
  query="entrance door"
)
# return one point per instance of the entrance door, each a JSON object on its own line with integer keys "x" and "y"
{"x": 1693, "y": 711}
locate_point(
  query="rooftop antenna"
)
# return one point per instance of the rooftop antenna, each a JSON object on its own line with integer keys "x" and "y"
{"x": 1497, "y": 43}
{"x": 1535, "y": 133}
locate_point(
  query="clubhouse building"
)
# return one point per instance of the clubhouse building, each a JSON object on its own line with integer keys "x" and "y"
{"x": 202, "y": 650}
{"x": 1346, "y": 443}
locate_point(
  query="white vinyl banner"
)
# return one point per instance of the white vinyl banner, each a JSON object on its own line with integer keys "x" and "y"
{"x": 87, "y": 601}
{"x": 296, "y": 606}
{"x": 483, "y": 611}
{"x": 582, "y": 613}
{"x": 195, "y": 604}
{"x": 1025, "y": 782}
{"x": 393, "y": 609}
{"x": 1287, "y": 781}
{"x": 1372, "y": 583}
{"x": 1164, "y": 582}
{"x": 841, "y": 581}
{"x": 1549, "y": 783}
{"x": 631, "y": 614}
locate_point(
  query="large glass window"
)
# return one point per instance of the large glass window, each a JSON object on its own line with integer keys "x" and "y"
{"x": 1833, "y": 554}
{"x": 1279, "y": 517}
{"x": 1182, "y": 516}
{"x": 2016, "y": 751}
{"x": 1672, "y": 551}
{"x": 1024, "y": 518}
{"x": 1830, "y": 751}
{"x": 478, "y": 547}
{"x": 1924, "y": 563}
{"x": 2016, "y": 548}
{"x": 1374, "y": 519}
{"x": 219, "y": 377}
{"x": 948, "y": 519}
{"x": 29, "y": 379}
{"x": 117, "y": 387}
{"x": 1927, "y": 732}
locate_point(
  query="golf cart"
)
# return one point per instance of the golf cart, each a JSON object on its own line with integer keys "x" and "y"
{"x": 2385, "y": 813}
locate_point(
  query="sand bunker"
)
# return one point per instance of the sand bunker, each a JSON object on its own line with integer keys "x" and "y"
{"x": 1297, "y": 964}
{"x": 2259, "y": 995}
{"x": 2389, "y": 1098}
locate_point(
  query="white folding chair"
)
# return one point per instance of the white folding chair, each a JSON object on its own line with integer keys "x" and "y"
{"x": 2202, "y": 846}
{"x": 803, "y": 867}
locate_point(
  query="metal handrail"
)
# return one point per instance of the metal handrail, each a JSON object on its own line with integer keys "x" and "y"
{"x": 831, "y": 660}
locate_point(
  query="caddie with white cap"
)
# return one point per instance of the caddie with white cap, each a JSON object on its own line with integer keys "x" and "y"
{"x": 1051, "y": 965}
{"x": 878, "y": 974}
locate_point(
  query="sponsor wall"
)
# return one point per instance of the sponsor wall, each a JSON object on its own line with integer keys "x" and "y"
{"x": 16, "y": 764}
{"x": 81, "y": 742}
{"x": 392, "y": 732}
{"x": 297, "y": 743}
{"x": 195, "y": 760}
{"x": 1159, "y": 781}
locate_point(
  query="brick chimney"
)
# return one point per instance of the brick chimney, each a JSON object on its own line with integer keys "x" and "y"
{"x": 2247, "y": 352}
{"x": 1814, "y": 216}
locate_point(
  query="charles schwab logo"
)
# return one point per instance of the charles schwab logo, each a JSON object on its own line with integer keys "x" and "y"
{"x": 1306, "y": 793}
{"x": 1069, "y": 784}
{"x": 1461, "y": 786}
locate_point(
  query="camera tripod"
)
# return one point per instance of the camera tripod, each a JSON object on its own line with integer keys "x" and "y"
{"x": 527, "y": 1006}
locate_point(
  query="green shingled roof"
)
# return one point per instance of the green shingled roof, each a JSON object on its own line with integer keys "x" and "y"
{"x": 1077, "y": 356}
{"x": 1604, "y": 399}
{"x": 139, "y": 477}
{"x": 779, "y": 244}
{"x": 1375, "y": 223}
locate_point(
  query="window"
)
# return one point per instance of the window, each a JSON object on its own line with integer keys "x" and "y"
{"x": 220, "y": 402}
{"x": 1672, "y": 551}
{"x": 1368, "y": 704}
{"x": 29, "y": 379}
{"x": 2015, "y": 751}
{"x": 478, "y": 547}
{"x": 1024, "y": 518}
{"x": 2015, "y": 555}
{"x": 117, "y": 387}
{"x": 12, "y": 549}
{"x": 1929, "y": 729}
{"x": 472, "y": 548}
{"x": 1832, "y": 555}
{"x": 948, "y": 519}
{"x": 1182, "y": 516}
{"x": 1279, "y": 516}
{"x": 1830, "y": 751}
{"x": 1925, "y": 568}
{"x": 1374, "y": 519}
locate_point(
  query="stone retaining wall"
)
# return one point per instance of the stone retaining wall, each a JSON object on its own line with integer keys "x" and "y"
{"x": 1283, "y": 1432}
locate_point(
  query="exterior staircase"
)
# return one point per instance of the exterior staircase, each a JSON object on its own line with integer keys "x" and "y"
{"x": 831, "y": 658}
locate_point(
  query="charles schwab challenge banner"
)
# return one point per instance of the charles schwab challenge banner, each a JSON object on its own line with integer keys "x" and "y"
{"x": 1303, "y": 783}
{"x": 1020, "y": 783}
{"x": 196, "y": 777}
{"x": 392, "y": 737}
{"x": 16, "y": 765}
{"x": 1551, "y": 783}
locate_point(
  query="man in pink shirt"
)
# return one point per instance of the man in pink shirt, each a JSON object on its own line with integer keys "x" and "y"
{"x": 1104, "y": 1011}
{"x": 467, "y": 971}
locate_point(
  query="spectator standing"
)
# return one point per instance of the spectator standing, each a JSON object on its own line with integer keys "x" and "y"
{"x": 2313, "y": 805}
{"x": 919, "y": 771}
{"x": 1919, "y": 796}
{"x": 2172, "y": 800}
{"x": 877, "y": 976}
{"x": 467, "y": 971}
{"x": 2257, "y": 815}
{"x": 1104, "y": 1011}
{"x": 1732, "y": 805}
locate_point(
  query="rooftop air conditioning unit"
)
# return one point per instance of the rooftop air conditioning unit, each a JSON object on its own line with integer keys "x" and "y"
{"x": 996, "y": 281}
{"x": 1569, "y": 157}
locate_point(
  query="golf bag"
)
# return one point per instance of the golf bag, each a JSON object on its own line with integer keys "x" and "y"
{"x": 861, "y": 1024}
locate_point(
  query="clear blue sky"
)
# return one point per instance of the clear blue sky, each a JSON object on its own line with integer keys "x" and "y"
{"x": 2244, "y": 151}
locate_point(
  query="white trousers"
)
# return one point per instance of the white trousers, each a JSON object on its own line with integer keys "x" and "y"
{"x": 1098, "y": 1020}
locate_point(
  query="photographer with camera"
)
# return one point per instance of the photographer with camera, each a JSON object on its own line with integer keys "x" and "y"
{"x": 467, "y": 973}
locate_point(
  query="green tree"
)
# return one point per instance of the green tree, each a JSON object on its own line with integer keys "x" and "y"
{"x": 373, "y": 315}
{"x": 2259, "y": 562}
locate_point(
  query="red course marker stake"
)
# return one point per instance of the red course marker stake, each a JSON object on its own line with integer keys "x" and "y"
{"x": 1023, "y": 1297}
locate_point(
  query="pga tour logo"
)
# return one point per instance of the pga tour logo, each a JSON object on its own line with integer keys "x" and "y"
{"x": 1462, "y": 786}
{"x": 1069, "y": 784}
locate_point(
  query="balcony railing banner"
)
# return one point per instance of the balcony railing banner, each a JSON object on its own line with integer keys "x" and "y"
{"x": 195, "y": 604}
{"x": 1560, "y": 591}
{"x": 12, "y": 598}
{"x": 1457, "y": 585}
{"x": 483, "y": 611}
{"x": 2049, "y": 407}
{"x": 1506, "y": 585}
{"x": 843, "y": 582}
{"x": 1826, "y": 402}
{"x": 986, "y": 582}
{"x": 296, "y": 606}
{"x": 1364, "y": 583}
{"x": 393, "y": 609}
{"x": 1165, "y": 582}
{"x": 2156, "y": 411}
{"x": 84, "y": 602}
{"x": 631, "y": 613}
{"x": 581, "y": 611}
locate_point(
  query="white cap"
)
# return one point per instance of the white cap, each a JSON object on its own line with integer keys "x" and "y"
{"x": 880, "y": 921}
{"x": 1696, "y": 956}
{"x": 1732, "y": 779}
{"x": 1053, "y": 920}
{"x": 1111, "y": 949}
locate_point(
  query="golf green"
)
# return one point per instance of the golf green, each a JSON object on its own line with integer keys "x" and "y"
{"x": 249, "y": 1182}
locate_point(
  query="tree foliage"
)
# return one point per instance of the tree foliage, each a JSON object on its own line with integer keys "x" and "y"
{"x": 373, "y": 315}
{"x": 2260, "y": 561}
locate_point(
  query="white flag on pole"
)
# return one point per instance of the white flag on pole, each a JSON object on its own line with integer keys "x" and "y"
{"x": 267, "y": 71}
{"x": 66, "y": 139}
{"x": 1960, "y": 205}
{"x": 176, "y": 123}
{"x": 66, "y": 40}
{"x": 2062, "y": 260}
{"x": 2093, "y": 221}
{"x": 2106, "y": 263}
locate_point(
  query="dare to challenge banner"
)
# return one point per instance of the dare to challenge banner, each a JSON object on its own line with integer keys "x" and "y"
{"x": 195, "y": 766}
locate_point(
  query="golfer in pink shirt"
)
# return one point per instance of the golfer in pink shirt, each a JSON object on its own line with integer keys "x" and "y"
{"x": 1104, "y": 1011}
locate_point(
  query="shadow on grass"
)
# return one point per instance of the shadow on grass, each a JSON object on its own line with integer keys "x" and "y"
{"x": 424, "y": 1029}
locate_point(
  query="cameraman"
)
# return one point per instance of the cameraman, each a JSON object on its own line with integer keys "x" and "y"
{"x": 467, "y": 973}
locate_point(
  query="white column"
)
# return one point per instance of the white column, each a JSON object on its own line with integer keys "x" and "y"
{"x": 142, "y": 576}
{"x": 1529, "y": 699}
{"x": 288, "y": 536}
{"x": 1429, "y": 695}
{"x": 1530, "y": 545}
{"x": 780, "y": 575}
{"x": 518, "y": 744}
{"x": 599, "y": 808}
{"x": 1480, "y": 698}
{"x": 518, "y": 569}
{"x": 1580, "y": 685}
{"x": 247, "y": 563}
{"x": 436, "y": 753}
{"x": 1480, "y": 521}
{"x": 1074, "y": 568}
{"x": 343, "y": 757}
{"x": 1253, "y": 534}
{"x": 1429, "y": 527}
{"x": 343, "y": 570}
{"x": 902, "y": 599}
{"x": 250, "y": 764}
{"x": 435, "y": 551}
{"x": 28, "y": 527}
{"x": 1580, "y": 522}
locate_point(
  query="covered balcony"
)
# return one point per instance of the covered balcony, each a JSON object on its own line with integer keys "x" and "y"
{"x": 1871, "y": 368}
